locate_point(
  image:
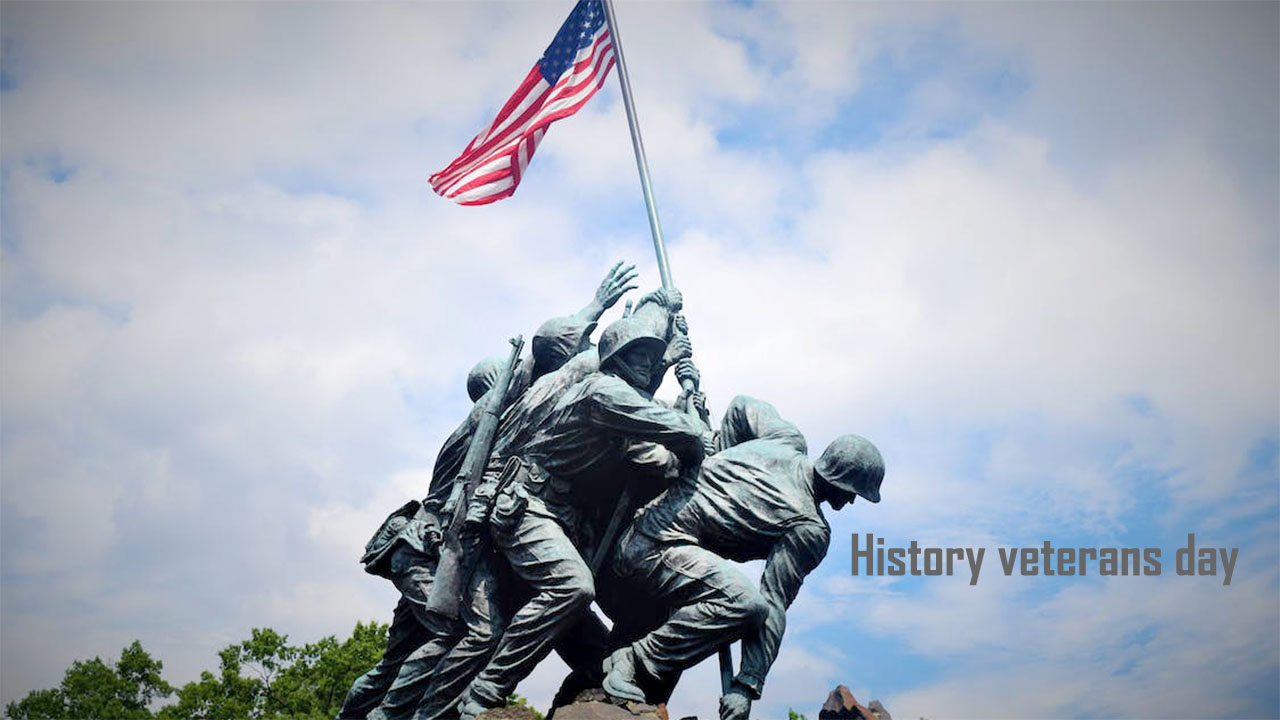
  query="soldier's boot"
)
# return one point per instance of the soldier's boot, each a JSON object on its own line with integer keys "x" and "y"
{"x": 620, "y": 676}
{"x": 470, "y": 707}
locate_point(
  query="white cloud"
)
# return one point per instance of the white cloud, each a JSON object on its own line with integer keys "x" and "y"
{"x": 1127, "y": 647}
{"x": 235, "y": 325}
{"x": 340, "y": 526}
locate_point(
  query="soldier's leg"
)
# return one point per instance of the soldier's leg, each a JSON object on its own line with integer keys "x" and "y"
{"x": 409, "y": 688}
{"x": 484, "y": 618}
{"x": 412, "y": 572}
{"x": 583, "y": 648}
{"x": 542, "y": 556}
{"x": 405, "y": 635}
{"x": 713, "y": 604}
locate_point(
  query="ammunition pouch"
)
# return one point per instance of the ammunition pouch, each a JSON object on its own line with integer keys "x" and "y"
{"x": 510, "y": 496}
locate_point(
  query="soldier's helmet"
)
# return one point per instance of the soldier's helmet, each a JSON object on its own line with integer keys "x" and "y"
{"x": 623, "y": 333}
{"x": 853, "y": 464}
{"x": 483, "y": 376}
{"x": 557, "y": 340}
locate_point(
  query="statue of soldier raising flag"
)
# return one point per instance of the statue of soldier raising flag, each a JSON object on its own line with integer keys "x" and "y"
{"x": 569, "y": 482}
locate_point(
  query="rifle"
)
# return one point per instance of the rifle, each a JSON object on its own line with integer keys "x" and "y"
{"x": 456, "y": 561}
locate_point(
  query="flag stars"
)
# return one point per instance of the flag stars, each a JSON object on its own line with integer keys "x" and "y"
{"x": 577, "y": 33}
{"x": 491, "y": 166}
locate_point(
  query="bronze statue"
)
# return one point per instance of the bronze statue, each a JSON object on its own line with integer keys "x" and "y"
{"x": 405, "y": 549}
{"x": 579, "y": 485}
{"x": 541, "y": 522}
{"x": 758, "y": 498}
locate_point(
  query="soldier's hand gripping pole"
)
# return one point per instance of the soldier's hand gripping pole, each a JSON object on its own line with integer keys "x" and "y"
{"x": 458, "y": 551}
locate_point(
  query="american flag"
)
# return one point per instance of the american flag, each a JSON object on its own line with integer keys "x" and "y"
{"x": 572, "y": 69}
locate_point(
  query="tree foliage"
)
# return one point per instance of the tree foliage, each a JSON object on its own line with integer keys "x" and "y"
{"x": 517, "y": 701}
{"x": 262, "y": 678}
{"x": 94, "y": 689}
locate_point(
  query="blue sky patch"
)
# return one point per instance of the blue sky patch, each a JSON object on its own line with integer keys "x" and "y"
{"x": 895, "y": 100}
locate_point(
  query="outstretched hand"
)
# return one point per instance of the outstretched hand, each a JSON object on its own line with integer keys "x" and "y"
{"x": 615, "y": 285}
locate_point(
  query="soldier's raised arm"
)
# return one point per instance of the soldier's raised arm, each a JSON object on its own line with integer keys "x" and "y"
{"x": 629, "y": 414}
{"x": 616, "y": 283}
{"x": 562, "y": 337}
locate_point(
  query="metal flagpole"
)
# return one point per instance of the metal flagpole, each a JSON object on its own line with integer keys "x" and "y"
{"x": 664, "y": 271}
{"x": 624, "y": 80}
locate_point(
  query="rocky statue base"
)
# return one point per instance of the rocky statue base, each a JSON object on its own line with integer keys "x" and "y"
{"x": 514, "y": 712}
{"x": 589, "y": 705}
{"x": 595, "y": 705}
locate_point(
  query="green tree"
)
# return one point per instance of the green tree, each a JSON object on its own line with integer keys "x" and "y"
{"x": 38, "y": 704}
{"x": 793, "y": 715}
{"x": 316, "y": 683}
{"x": 517, "y": 701}
{"x": 212, "y": 697}
{"x": 266, "y": 678}
{"x": 262, "y": 678}
{"x": 225, "y": 696}
{"x": 94, "y": 689}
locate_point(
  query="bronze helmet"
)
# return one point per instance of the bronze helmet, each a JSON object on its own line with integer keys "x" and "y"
{"x": 852, "y": 464}
{"x": 621, "y": 333}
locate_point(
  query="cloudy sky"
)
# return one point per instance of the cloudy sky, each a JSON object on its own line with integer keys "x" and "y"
{"x": 1032, "y": 250}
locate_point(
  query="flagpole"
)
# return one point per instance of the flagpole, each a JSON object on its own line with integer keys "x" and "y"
{"x": 664, "y": 270}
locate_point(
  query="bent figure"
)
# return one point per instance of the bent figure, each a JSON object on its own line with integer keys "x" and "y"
{"x": 398, "y": 553}
{"x": 758, "y": 498}
{"x": 521, "y": 425}
{"x": 408, "y": 556}
{"x": 542, "y": 520}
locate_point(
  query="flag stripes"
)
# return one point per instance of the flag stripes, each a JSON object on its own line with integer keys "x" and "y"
{"x": 491, "y": 166}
